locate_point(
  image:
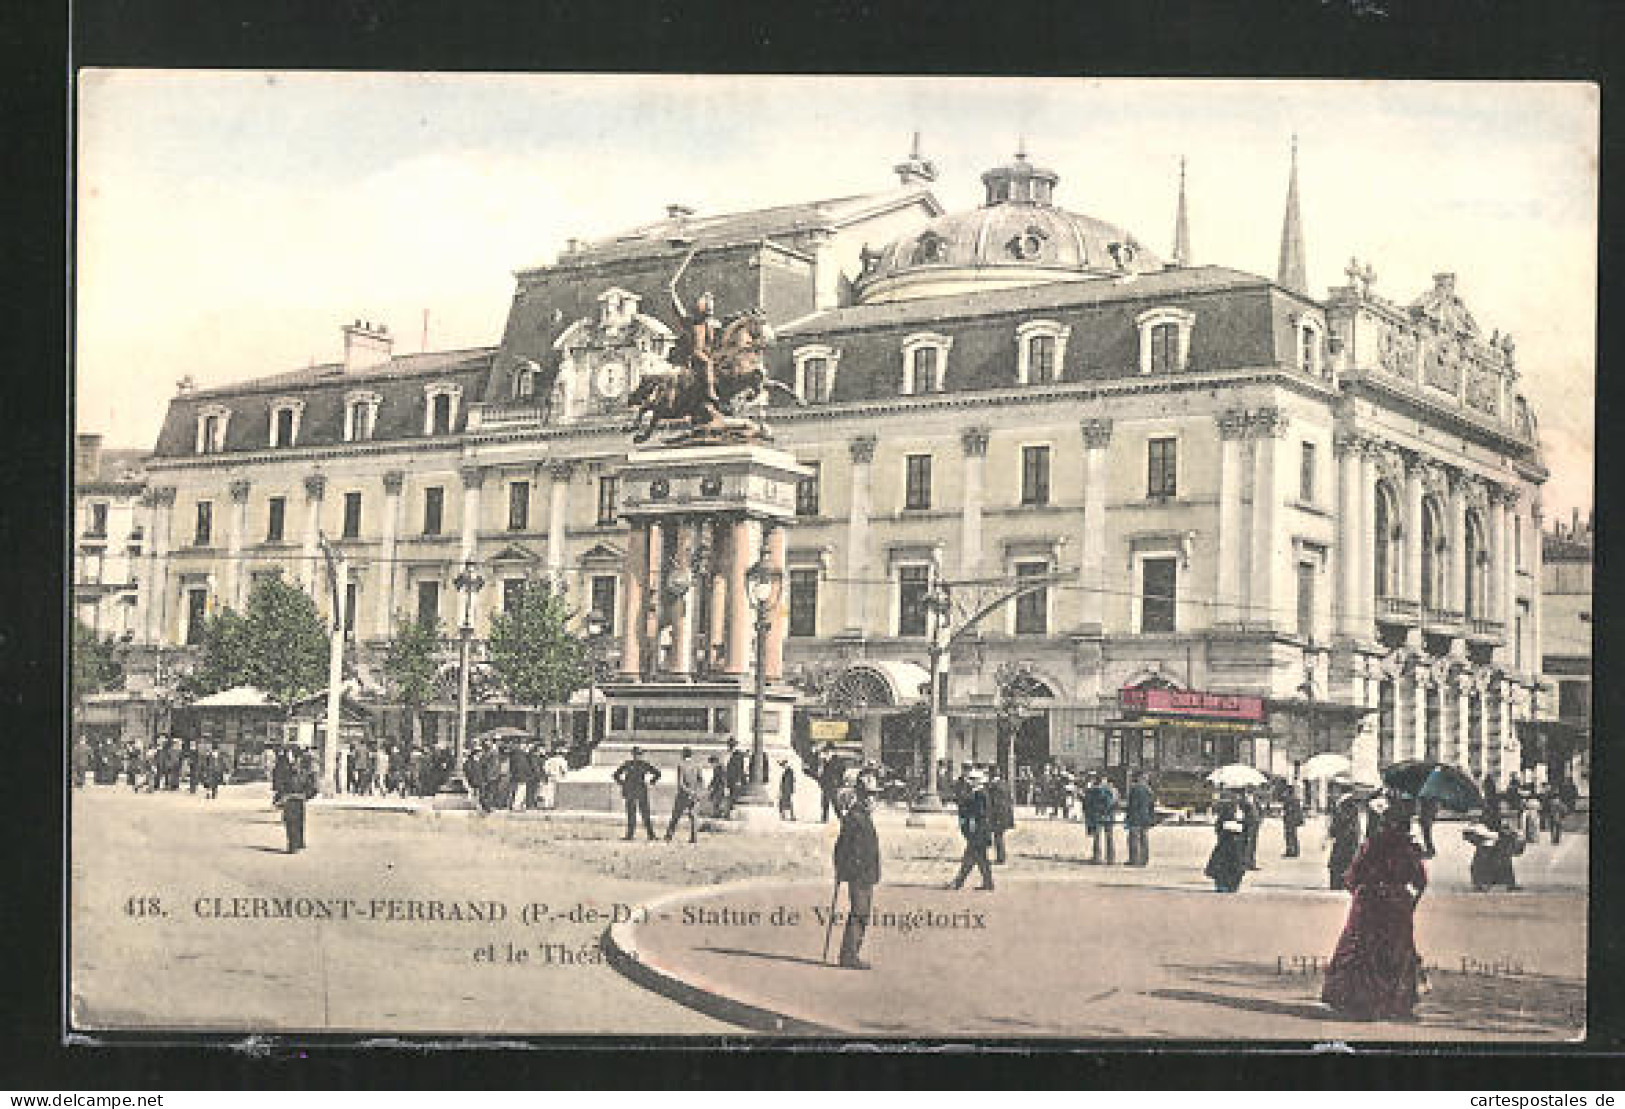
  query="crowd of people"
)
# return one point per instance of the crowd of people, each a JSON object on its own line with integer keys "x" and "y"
{"x": 163, "y": 763}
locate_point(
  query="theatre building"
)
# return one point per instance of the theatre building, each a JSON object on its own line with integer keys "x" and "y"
{"x": 1266, "y": 523}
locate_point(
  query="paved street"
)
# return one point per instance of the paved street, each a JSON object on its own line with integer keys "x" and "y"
{"x": 372, "y": 938}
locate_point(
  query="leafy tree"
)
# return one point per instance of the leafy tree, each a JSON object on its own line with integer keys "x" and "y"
{"x": 411, "y": 663}
{"x": 538, "y": 659}
{"x": 279, "y": 646}
{"x": 96, "y": 665}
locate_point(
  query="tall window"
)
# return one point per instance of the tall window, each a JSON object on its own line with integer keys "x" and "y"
{"x": 197, "y": 611}
{"x": 352, "y": 597}
{"x": 428, "y": 602}
{"x": 518, "y": 505}
{"x": 1164, "y": 348}
{"x": 1041, "y": 358}
{"x": 204, "y": 532}
{"x": 1383, "y": 561}
{"x": 1032, "y": 609}
{"x": 440, "y": 420}
{"x": 1162, "y": 468}
{"x": 815, "y": 379}
{"x": 513, "y": 591}
{"x": 1521, "y": 622}
{"x": 803, "y": 603}
{"x": 1159, "y": 580}
{"x": 1435, "y": 726}
{"x": 284, "y": 427}
{"x": 917, "y": 483}
{"x": 98, "y": 521}
{"x": 924, "y": 366}
{"x": 1431, "y": 597}
{"x": 208, "y": 441}
{"x": 607, "y": 492}
{"x": 358, "y": 420}
{"x": 1306, "y": 474}
{"x": 1035, "y": 474}
{"x": 913, "y": 583}
{"x": 807, "y": 491}
{"x": 276, "y": 517}
{"x": 352, "y": 515}
{"x": 1306, "y": 600}
{"x": 603, "y": 599}
{"x": 1477, "y": 569}
{"x": 434, "y": 506}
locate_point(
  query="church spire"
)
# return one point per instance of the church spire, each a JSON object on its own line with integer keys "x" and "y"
{"x": 1291, "y": 274}
{"x": 1182, "y": 227}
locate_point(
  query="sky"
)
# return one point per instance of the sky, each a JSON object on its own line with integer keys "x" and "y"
{"x": 229, "y": 223}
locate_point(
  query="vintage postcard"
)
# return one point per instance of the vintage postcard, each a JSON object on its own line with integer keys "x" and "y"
{"x": 847, "y": 557}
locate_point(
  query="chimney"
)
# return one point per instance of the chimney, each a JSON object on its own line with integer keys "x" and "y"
{"x": 366, "y": 345}
{"x": 87, "y": 457}
{"x": 678, "y": 211}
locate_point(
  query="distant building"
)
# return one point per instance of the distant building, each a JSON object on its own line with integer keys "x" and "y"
{"x": 1275, "y": 525}
{"x": 109, "y": 537}
{"x": 1566, "y": 626}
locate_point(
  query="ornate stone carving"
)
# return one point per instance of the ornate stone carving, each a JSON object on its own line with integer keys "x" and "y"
{"x": 473, "y": 477}
{"x": 1346, "y": 442}
{"x": 1232, "y": 423}
{"x": 1484, "y": 391}
{"x": 394, "y": 481}
{"x": 974, "y": 440}
{"x": 160, "y": 496}
{"x": 863, "y": 449}
{"x": 1441, "y": 366}
{"x": 239, "y": 491}
{"x": 315, "y": 486}
{"x": 1268, "y": 423}
{"x": 1097, "y": 434}
{"x": 561, "y": 469}
{"x": 1396, "y": 352}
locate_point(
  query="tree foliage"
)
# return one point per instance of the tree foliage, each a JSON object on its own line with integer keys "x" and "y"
{"x": 538, "y": 659}
{"x": 411, "y": 663}
{"x": 96, "y": 665}
{"x": 279, "y": 646}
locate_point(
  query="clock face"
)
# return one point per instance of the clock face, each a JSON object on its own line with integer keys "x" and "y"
{"x": 610, "y": 380}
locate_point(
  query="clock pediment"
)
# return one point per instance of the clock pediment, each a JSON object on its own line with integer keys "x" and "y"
{"x": 604, "y": 356}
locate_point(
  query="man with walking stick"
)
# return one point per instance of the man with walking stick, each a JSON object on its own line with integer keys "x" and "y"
{"x": 857, "y": 863}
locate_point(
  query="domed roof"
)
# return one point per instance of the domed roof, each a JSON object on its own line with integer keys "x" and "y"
{"x": 1018, "y": 237}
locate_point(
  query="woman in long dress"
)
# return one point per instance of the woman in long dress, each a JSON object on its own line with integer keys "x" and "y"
{"x": 1344, "y": 832}
{"x": 1228, "y": 863}
{"x": 1373, "y": 972}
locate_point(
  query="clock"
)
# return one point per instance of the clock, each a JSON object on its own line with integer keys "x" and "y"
{"x": 610, "y": 380}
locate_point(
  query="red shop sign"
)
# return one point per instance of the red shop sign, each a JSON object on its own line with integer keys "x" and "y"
{"x": 1193, "y": 702}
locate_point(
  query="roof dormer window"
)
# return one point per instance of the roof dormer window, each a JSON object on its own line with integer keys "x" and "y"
{"x": 440, "y": 403}
{"x": 1309, "y": 339}
{"x": 925, "y": 363}
{"x": 360, "y": 415}
{"x": 1165, "y": 339}
{"x": 285, "y": 415}
{"x": 211, "y": 428}
{"x": 815, "y": 372}
{"x": 1040, "y": 351}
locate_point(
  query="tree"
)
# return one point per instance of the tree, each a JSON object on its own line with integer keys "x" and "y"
{"x": 96, "y": 664}
{"x": 411, "y": 663}
{"x": 538, "y": 659}
{"x": 279, "y": 646}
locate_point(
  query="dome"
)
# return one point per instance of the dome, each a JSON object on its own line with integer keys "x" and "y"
{"x": 1017, "y": 237}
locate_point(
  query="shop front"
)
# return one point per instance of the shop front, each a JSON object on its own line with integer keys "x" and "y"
{"x": 1180, "y": 736}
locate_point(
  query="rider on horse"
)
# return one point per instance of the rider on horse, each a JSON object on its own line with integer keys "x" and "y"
{"x": 696, "y": 341}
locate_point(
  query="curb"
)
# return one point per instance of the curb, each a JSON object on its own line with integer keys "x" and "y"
{"x": 619, "y": 945}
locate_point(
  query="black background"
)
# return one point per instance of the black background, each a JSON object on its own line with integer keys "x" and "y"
{"x": 1407, "y": 39}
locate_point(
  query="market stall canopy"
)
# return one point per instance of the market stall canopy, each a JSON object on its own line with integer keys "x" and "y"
{"x": 1325, "y": 765}
{"x": 237, "y": 697}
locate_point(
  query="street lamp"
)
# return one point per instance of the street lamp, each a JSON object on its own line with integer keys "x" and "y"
{"x": 764, "y": 583}
{"x": 939, "y": 607}
{"x": 596, "y": 626}
{"x": 468, "y": 582}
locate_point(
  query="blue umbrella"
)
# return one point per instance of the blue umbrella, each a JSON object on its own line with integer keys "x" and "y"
{"x": 1452, "y": 788}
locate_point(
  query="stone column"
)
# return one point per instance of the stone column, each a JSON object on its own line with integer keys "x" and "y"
{"x": 1495, "y": 580}
{"x": 1097, "y": 437}
{"x": 560, "y": 472}
{"x": 311, "y": 555}
{"x": 394, "y": 482}
{"x": 1463, "y": 729}
{"x": 974, "y": 442}
{"x": 716, "y": 581}
{"x": 1353, "y": 536}
{"x": 1413, "y": 527}
{"x": 681, "y": 663}
{"x": 1537, "y": 558}
{"x": 1367, "y": 588}
{"x": 1419, "y": 738}
{"x": 740, "y": 549}
{"x": 857, "y": 533}
{"x": 1264, "y": 607}
{"x": 473, "y": 480}
{"x": 1456, "y": 589}
{"x": 635, "y": 589}
{"x": 655, "y": 605}
{"x": 231, "y": 574}
{"x": 161, "y": 500}
{"x": 1509, "y": 576}
{"x": 778, "y": 619}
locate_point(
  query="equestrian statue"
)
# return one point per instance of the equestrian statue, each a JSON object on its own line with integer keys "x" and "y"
{"x": 717, "y": 366}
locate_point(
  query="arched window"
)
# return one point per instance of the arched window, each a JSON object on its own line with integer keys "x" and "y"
{"x": 1165, "y": 339}
{"x": 1474, "y": 584}
{"x": 1385, "y": 555}
{"x": 1040, "y": 351}
{"x": 1433, "y": 548}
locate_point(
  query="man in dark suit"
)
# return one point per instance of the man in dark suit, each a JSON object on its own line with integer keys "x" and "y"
{"x": 1291, "y": 821}
{"x": 736, "y": 772}
{"x": 299, "y": 787}
{"x": 635, "y": 776}
{"x": 787, "y": 790}
{"x": 975, "y": 827}
{"x": 211, "y": 770}
{"x": 857, "y": 863}
{"x": 830, "y": 774}
{"x": 690, "y": 788}
{"x": 1140, "y": 815}
{"x": 1001, "y": 812}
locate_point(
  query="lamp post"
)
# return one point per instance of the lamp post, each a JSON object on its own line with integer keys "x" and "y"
{"x": 468, "y": 582}
{"x": 764, "y": 584}
{"x": 939, "y": 607}
{"x": 596, "y": 626}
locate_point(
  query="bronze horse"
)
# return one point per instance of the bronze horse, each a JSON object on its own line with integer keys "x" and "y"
{"x": 678, "y": 399}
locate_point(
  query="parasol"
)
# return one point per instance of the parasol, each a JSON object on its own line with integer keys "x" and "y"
{"x": 1236, "y": 776}
{"x": 1451, "y": 786}
{"x": 1325, "y": 765}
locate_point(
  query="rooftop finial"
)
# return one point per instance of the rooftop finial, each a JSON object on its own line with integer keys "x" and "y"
{"x": 1021, "y": 147}
{"x": 1292, "y": 272}
{"x": 1182, "y": 228}
{"x": 914, "y": 169}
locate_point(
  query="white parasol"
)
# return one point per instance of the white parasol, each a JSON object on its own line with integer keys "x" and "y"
{"x": 1236, "y": 776}
{"x": 1325, "y": 765}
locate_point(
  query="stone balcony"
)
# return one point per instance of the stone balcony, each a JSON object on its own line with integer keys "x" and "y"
{"x": 1397, "y": 611}
{"x": 1442, "y": 621}
{"x": 1480, "y": 630}
{"x": 505, "y": 414}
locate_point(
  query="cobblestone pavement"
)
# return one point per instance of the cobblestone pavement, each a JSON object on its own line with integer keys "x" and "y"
{"x": 194, "y": 965}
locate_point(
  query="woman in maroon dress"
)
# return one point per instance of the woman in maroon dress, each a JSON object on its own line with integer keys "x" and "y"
{"x": 1373, "y": 973}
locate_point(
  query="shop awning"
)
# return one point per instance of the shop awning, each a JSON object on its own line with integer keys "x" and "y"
{"x": 899, "y": 683}
{"x": 237, "y": 697}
